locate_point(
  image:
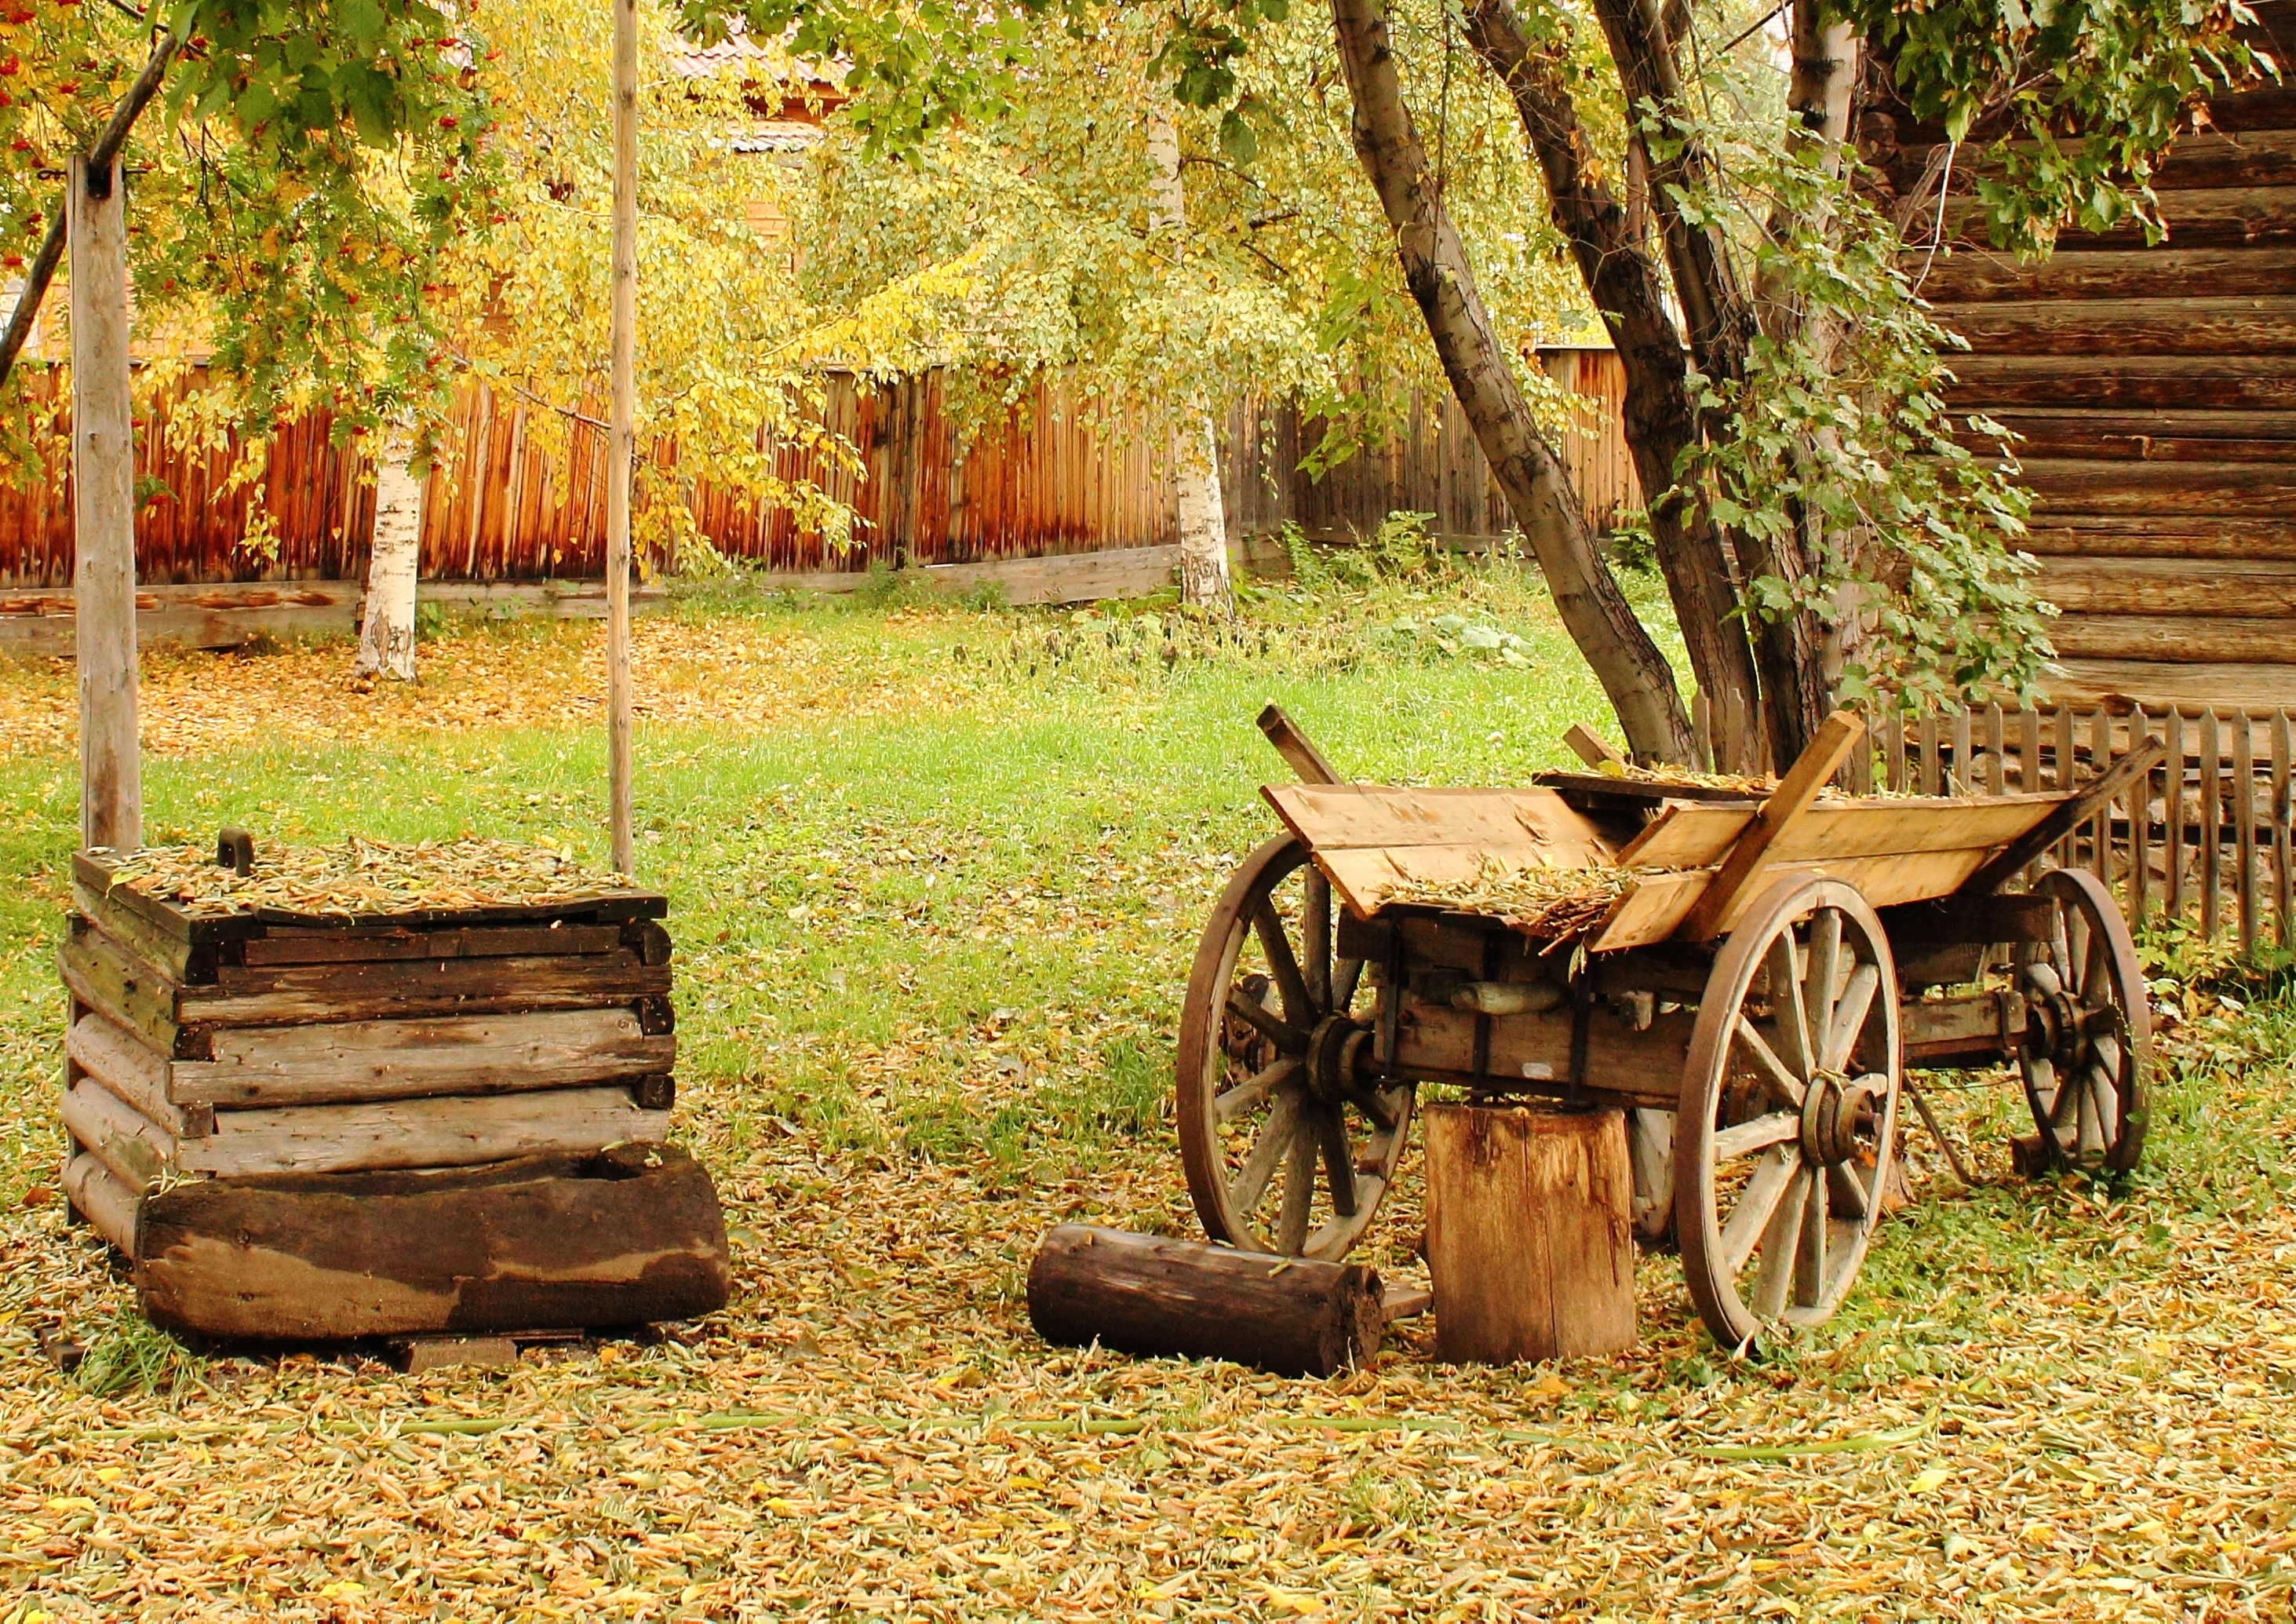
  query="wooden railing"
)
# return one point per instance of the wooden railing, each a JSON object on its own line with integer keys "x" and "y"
{"x": 2205, "y": 836}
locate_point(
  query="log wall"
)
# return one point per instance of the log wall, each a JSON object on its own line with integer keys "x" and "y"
{"x": 2155, "y": 389}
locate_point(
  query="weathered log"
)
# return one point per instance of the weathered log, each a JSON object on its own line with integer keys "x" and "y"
{"x": 136, "y": 1150}
{"x": 2070, "y": 485}
{"x": 1972, "y": 276}
{"x": 623, "y": 1236}
{"x": 1146, "y": 1294}
{"x": 460, "y": 1054}
{"x": 447, "y": 1131}
{"x": 1529, "y": 1233}
{"x": 2114, "y": 382}
{"x": 2190, "y": 326}
{"x": 109, "y": 1207}
{"x": 2170, "y": 587}
{"x": 2161, "y": 435}
{"x": 261, "y": 995}
{"x": 2195, "y": 640}
{"x": 2166, "y": 537}
{"x": 2243, "y": 686}
{"x": 360, "y": 945}
{"x": 111, "y": 1055}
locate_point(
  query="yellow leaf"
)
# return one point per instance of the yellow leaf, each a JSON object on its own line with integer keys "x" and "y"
{"x": 1924, "y": 1481}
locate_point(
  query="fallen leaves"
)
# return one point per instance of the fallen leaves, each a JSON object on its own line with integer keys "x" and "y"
{"x": 364, "y": 878}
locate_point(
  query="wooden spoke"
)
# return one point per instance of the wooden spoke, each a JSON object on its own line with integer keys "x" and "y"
{"x": 1756, "y": 1206}
{"x": 1818, "y": 974}
{"x": 1784, "y": 1083}
{"x": 1758, "y": 1135}
{"x": 1773, "y": 1273}
{"x": 1339, "y": 1160}
{"x": 1265, "y": 978}
{"x": 1809, "y": 1247}
{"x": 1252, "y": 1093}
{"x": 1849, "y": 1017}
{"x": 1290, "y": 1039}
{"x": 1299, "y": 1196}
{"x": 1774, "y": 1224}
{"x": 1276, "y": 1137}
{"x": 1300, "y": 1007}
{"x": 1316, "y": 940}
{"x": 1790, "y": 1019}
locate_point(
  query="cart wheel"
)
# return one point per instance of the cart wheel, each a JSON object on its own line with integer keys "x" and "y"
{"x": 1275, "y": 1074}
{"x": 2088, "y": 1032}
{"x": 1788, "y": 1126}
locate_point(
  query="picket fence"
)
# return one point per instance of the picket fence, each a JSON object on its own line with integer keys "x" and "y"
{"x": 2205, "y": 836}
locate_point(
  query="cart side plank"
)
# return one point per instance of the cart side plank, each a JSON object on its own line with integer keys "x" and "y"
{"x": 464, "y": 1054}
{"x": 1535, "y": 820}
{"x": 1653, "y": 910}
{"x": 433, "y": 1132}
{"x": 1685, "y": 836}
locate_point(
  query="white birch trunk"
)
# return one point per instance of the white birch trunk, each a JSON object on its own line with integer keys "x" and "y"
{"x": 387, "y": 636}
{"x": 1195, "y": 454}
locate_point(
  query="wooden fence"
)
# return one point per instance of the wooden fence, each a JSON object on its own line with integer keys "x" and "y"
{"x": 2205, "y": 836}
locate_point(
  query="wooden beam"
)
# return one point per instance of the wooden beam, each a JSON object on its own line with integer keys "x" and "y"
{"x": 2202, "y": 640}
{"x": 2084, "y": 804}
{"x": 2198, "y": 326}
{"x": 622, "y": 450}
{"x": 1304, "y": 758}
{"x": 2229, "y": 382}
{"x": 1787, "y": 803}
{"x": 1591, "y": 747}
{"x": 103, "y": 512}
{"x": 2169, "y": 587}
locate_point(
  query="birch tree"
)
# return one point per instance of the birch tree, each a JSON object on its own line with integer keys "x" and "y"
{"x": 1195, "y": 454}
{"x": 386, "y": 616}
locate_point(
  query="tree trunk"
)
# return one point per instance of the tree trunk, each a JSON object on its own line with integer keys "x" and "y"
{"x": 103, "y": 512}
{"x": 1634, "y": 674}
{"x": 1658, "y": 421}
{"x": 1195, "y": 454}
{"x": 387, "y": 625}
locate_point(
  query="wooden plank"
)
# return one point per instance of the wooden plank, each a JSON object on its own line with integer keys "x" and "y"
{"x": 1932, "y": 779}
{"x": 113, "y": 1056}
{"x": 1532, "y": 1051}
{"x": 1973, "y": 277}
{"x": 1699, "y": 837}
{"x": 359, "y": 945}
{"x": 1655, "y": 908}
{"x": 2162, "y": 435}
{"x": 2070, "y": 813}
{"x": 2063, "y": 778}
{"x": 129, "y": 992}
{"x": 2028, "y": 751}
{"x": 2074, "y": 485}
{"x": 464, "y": 1054}
{"x": 426, "y": 1133}
{"x": 1966, "y": 918}
{"x": 330, "y": 994}
{"x": 1997, "y": 771}
{"x": 619, "y": 1238}
{"x": 1293, "y": 745}
{"x": 111, "y": 1207}
{"x": 1963, "y": 781}
{"x": 2100, "y": 834}
{"x": 1591, "y": 747}
{"x": 2176, "y": 804}
{"x": 1893, "y": 751}
{"x": 1637, "y": 792}
{"x": 2211, "y": 822}
{"x": 1701, "y": 732}
{"x": 2233, "y": 685}
{"x": 2109, "y": 382}
{"x": 2172, "y": 538}
{"x": 2243, "y": 823}
{"x": 138, "y": 1150}
{"x": 1959, "y": 1033}
{"x": 1787, "y": 805}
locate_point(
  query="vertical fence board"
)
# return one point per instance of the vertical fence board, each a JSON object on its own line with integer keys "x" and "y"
{"x": 2174, "y": 806}
{"x": 2140, "y": 828}
{"x": 1893, "y": 752}
{"x": 1997, "y": 770}
{"x": 1929, "y": 746}
{"x": 2211, "y": 819}
{"x": 1861, "y": 767}
{"x": 2062, "y": 779}
{"x": 2284, "y": 894}
{"x": 2243, "y": 824}
{"x": 1960, "y": 783}
{"x": 2100, "y": 755}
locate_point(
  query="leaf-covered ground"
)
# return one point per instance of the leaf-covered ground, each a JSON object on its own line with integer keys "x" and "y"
{"x": 933, "y": 914}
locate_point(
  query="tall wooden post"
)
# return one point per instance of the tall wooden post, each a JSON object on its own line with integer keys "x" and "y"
{"x": 624, "y": 437}
{"x": 103, "y": 512}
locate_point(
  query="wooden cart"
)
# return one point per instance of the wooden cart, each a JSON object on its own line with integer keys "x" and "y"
{"x": 1751, "y": 983}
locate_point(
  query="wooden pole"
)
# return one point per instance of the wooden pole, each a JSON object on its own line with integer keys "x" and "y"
{"x": 623, "y": 448}
{"x": 103, "y": 512}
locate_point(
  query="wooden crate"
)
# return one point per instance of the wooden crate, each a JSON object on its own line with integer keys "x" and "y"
{"x": 262, "y": 1044}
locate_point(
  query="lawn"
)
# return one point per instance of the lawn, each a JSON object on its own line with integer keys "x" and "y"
{"x": 936, "y": 875}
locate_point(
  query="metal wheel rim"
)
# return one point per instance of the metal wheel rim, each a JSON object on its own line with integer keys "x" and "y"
{"x": 2091, "y": 940}
{"x": 1797, "y": 1271}
{"x": 1218, "y": 1189}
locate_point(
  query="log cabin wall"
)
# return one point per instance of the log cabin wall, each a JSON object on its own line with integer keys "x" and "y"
{"x": 2155, "y": 389}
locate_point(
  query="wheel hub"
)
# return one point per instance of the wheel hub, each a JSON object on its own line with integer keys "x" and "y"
{"x": 1830, "y": 1108}
{"x": 1335, "y": 1051}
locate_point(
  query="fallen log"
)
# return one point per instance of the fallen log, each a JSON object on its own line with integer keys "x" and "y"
{"x": 1147, "y": 1294}
{"x": 623, "y": 1236}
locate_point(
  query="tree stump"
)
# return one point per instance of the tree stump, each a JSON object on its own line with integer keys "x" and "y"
{"x": 1530, "y": 1232}
{"x": 1146, "y": 1294}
